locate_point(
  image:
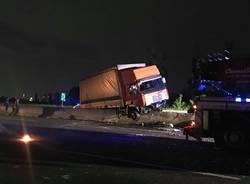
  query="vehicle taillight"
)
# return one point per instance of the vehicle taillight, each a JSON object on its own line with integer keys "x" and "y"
{"x": 193, "y": 123}
{"x": 192, "y": 109}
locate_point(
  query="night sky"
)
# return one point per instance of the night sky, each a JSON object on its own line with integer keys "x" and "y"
{"x": 49, "y": 45}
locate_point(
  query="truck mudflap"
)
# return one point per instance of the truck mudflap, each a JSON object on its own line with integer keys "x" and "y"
{"x": 193, "y": 130}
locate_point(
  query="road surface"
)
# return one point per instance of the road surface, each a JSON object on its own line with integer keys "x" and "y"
{"x": 86, "y": 152}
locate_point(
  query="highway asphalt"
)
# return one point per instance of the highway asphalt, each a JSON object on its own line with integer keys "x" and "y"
{"x": 68, "y": 151}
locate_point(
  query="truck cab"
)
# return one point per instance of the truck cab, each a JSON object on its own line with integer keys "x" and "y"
{"x": 145, "y": 88}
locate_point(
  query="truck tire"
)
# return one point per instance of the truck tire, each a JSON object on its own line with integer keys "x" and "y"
{"x": 235, "y": 137}
{"x": 231, "y": 137}
{"x": 135, "y": 115}
{"x": 119, "y": 115}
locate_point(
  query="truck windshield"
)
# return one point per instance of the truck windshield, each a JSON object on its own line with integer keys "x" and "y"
{"x": 152, "y": 85}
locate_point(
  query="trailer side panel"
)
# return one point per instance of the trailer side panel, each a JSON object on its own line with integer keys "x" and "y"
{"x": 101, "y": 90}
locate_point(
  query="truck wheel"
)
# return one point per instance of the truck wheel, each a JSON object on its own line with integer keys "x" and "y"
{"x": 235, "y": 137}
{"x": 135, "y": 115}
{"x": 119, "y": 115}
{"x": 231, "y": 137}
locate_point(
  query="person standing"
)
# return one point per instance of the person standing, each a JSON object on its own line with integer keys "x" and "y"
{"x": 7, "y": 104}
{"x": 15, "y": 106}
{"x": 17, "y": 103}
{"x": 13, "y": 101}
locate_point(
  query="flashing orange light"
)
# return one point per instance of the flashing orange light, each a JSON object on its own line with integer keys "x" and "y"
{"x": 26, "y": 139}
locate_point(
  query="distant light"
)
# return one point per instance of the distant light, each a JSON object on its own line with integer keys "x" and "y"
{"x": 247, "y": 99}
{"x": 164, "y": 80}
{"x": 193, "y": 123}
{"x": 63, "y": 97}
{"x": 26, "y": 139}
{"x": 227, "y": 58}
{"x": 31, "y": 99}
{"x": 238, "y": 99}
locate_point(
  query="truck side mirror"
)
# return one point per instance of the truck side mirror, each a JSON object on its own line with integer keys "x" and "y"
{"x": 133, "y": 89}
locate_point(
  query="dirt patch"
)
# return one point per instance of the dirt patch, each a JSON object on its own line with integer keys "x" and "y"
{"x": 155, "y": 118}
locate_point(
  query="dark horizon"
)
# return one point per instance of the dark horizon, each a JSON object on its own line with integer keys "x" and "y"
{"x": 48, "y": 46}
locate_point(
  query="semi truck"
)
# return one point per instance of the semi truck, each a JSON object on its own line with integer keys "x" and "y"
{"x": 130, "y": 88}
{"x": 222, "y": 108}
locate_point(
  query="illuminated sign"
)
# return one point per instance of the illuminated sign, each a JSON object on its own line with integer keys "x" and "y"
{"x": 63, "y": 97}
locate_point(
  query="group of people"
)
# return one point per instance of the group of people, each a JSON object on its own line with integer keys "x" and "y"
{"x": 14, "y": 105}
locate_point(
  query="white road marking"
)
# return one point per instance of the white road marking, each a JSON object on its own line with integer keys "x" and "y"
{"x": 139, "y": 134}
{"x": 155, "y": 165}
{"x": 218, "y": 175}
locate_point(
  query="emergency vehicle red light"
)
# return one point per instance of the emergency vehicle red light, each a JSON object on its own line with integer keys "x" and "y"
{"x": 193, "y": 123}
